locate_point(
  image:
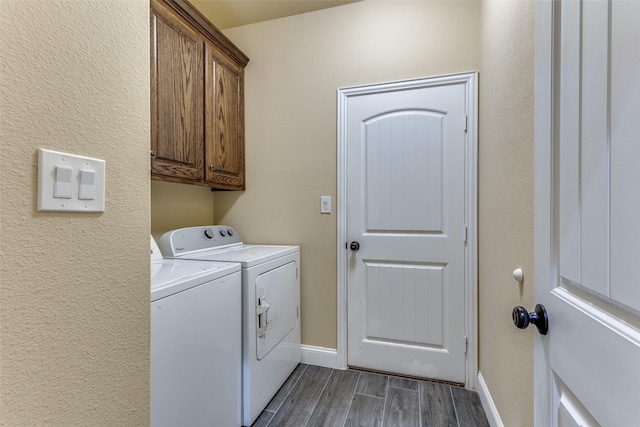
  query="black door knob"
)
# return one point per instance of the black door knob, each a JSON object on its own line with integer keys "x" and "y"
{"x": 538, "y": 317}
{"x": 355, "y": 246}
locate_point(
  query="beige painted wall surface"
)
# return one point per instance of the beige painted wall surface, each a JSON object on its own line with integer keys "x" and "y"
{"x": 175, "y": 205}
{"x": 506, "y": 204}
{"x": 74, "y": 289}
{"x": 297, "y": 65}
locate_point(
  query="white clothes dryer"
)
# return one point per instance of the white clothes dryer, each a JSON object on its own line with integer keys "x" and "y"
{"x": 195, "y": 342}
{"x": 270, "y": 305}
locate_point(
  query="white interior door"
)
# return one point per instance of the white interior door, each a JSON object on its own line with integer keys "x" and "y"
{"x": 406, "y": 216}
{"x": 587, "y": 200}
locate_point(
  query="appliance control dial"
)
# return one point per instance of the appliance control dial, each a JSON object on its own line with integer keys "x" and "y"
{"x": 208, "y": 232}
{"x": 223, "y": 233}
{"x": 229, "y": 232}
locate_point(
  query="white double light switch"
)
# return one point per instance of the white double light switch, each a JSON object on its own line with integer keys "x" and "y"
{"x": 70, "y": 183}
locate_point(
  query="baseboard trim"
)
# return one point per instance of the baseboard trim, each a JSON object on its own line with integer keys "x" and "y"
{"x": 319, "y": 356}
{"x": 487, "y": 403}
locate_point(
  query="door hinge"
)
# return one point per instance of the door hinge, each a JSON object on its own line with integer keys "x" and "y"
{"x": 466, "y": 123}
{"x": 466, "y": 234}
{"x": 466, "y": 344}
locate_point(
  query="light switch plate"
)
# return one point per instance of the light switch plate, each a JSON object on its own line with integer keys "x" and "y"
{"x": 325, "y": 204}
{"x": 47, "y": 201}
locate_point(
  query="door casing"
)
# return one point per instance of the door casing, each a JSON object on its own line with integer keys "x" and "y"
{"x": 470, "y": 305}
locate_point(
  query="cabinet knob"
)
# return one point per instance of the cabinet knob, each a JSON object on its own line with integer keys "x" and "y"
{"x": 212, "y": 168}
{"x": 152, "y": 153}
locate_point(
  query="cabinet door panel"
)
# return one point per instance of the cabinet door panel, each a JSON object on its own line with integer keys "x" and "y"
{"x": 224, "y": 128}
{"x": 177, "y": 110}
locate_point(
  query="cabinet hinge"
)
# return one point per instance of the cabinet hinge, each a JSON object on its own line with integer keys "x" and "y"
{"x": 466, "y": 344}
{"x": 466, "y": 234}
{"x": 466, "y": 123}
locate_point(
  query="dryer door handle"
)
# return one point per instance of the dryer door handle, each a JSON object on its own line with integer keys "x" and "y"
{"x": 263, "y": 322}
{"x": 263, "y": 306}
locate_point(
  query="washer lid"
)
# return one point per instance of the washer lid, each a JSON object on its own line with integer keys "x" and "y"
{"x": 171, "y": 276}
{"x": 247, "y": 255}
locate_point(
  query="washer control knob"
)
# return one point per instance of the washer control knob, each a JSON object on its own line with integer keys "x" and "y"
{"x": 229, "y": 232}
{"x": 223, "y": 233}
{"x": 209, "y": 233}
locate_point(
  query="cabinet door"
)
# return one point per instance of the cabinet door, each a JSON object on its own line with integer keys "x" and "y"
{"x": 177, "y": 110}
{"x": 224, "y": 127}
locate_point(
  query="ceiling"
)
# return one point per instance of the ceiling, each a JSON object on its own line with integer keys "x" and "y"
{"x": 233, "y": 13}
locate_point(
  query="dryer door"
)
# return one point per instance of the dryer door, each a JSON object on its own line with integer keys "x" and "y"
{"x": 277, "y": 306}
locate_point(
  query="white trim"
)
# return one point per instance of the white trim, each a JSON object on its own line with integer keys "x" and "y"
{"x": 543, "y": 204}
{"x": 319, "y": 356}
{"x": 487, "y": 403}
{"x": 341, "y": 212}
{"x": 471, "y": 215}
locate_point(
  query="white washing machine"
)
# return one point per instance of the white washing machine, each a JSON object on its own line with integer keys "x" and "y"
{"x": 270, "y": 305}
{"x": 196, "y": 343}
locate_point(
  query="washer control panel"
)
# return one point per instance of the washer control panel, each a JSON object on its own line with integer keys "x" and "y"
{"x": 196, "y": 239}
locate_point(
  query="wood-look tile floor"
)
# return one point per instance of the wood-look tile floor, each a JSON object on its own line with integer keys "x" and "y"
{"x": 314, "y": 396}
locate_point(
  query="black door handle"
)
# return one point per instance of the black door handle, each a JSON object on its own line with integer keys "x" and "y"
{"x": 355, "y": 246}
{"x": 538, "y": 317}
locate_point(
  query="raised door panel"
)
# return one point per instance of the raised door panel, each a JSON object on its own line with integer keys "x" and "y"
{"x": 224, "y": 127}
{"x": 177, "y": 110}
{"x": 398, "y": 161}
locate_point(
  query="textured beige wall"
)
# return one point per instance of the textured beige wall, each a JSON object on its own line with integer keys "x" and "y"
{"x": 297, "y": 65}
{"x": 506, "y": 204}
{"x": 74, "y": 289}
{"x": 176, "y": 205}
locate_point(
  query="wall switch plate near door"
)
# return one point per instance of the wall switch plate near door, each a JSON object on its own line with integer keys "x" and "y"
{"x": 325, "y": 204}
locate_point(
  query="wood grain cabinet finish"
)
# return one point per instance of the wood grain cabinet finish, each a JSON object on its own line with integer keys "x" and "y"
{"x": 224, "y": 107}
{"x": 177, "y": 108}
{"x": 197, "y": 100}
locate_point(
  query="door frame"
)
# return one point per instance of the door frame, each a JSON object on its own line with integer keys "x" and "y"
{"x": 470, "y": 307}
{"x": 542, "y": 197}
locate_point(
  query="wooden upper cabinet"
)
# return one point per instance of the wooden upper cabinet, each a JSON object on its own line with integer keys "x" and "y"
{"x": 224, "y": 136}
{"x": 197, "y": 100}
{"x": 177, "y": 84}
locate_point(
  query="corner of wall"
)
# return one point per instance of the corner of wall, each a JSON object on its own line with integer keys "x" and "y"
{"x": 506, "y": 204}
{"x": 75, "y": 286}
